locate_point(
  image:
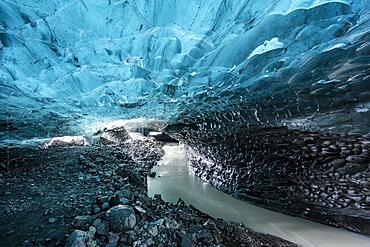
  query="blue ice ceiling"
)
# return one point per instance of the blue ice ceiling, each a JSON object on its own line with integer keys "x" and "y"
{"x": 296, "y": 62}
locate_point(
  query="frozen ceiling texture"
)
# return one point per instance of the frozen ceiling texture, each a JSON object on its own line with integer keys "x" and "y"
{"x": 67, "y": 64}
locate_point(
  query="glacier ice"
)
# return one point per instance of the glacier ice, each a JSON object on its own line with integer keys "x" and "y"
{"x": 65, "y": 63}
{"x": 269, "y": 45}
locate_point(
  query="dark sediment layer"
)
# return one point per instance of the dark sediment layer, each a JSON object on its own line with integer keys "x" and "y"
{"x": 317, "y": 176}
{"x": 97, "y": 196}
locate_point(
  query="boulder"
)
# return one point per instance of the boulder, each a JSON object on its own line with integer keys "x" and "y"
{"x": 162, "y": 137}
{"x": 121, "y": 218}
{"x": 78, "y": 239}
{"x": 114, "y": 136}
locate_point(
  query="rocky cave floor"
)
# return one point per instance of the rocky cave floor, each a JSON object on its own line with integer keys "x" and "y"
{"x": 97, "y": 196}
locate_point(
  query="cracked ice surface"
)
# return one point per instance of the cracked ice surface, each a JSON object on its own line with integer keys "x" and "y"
{"x": 68, "y": 63}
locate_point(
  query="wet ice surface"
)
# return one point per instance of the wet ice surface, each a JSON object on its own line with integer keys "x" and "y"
{"x": 176, "y": 182}
{"x": 67, "y": 62}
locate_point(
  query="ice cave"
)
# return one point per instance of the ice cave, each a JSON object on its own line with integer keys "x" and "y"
{"x": 185, "y": 123}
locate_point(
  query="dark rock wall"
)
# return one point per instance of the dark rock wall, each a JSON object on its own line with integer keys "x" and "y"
{"x": 321, "y": 177}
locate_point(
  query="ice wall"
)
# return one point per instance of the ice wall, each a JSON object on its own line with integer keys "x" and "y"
{"x": 65, "y": 62}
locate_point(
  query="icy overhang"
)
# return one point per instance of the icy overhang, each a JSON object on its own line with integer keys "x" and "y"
{"x": 67, "y": 62}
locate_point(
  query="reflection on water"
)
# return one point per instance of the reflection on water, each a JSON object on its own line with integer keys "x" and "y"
{"x": 176, "y": 182}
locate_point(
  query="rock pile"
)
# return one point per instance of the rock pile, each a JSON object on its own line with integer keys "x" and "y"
{"x": 126, "y": 216}
{"x": 96, "y": 195}
{"x": 152, "y": 222}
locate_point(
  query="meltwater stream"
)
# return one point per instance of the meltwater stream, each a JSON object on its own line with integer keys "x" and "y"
{"x": 175, "y": 182}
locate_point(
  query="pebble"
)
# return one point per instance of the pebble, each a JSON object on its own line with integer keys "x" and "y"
{"x": 153, "y": 230}
{"x": 52, "y": 220}
{"x": 92, "y": 230}
{"x": 96, "y": 209}
{"x": 113, "y": 238}
{"x": 101, "y": 227}
{"x": 205, "y": 237}
{"x": 140, "y": 209}
{"x": 123, "y": 201}
{"x": 127, "y": 193}
{"x": 80, "y": 221}
{"x": 358, "y": 159}
{"x": 105, "y": 206}
{"x": 210, "y": 224}
{"x": 185, "y": 240}
{"x": 170, "y": 223}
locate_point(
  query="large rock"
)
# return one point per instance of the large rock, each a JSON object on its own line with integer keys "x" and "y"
{"x": 78, "y": 239}
{"x": 66, "y": 141}
{"x": 133, "y": 178}
{"x": 162, "y": 137}
{"x": 114, "y": 136}
{"x": 121, "y": 218}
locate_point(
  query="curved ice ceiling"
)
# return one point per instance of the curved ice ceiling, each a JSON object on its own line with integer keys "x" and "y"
{"x": 299, "y": 62}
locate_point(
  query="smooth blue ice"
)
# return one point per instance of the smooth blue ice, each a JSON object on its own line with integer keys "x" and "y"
{"x": 66, "y": 64}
